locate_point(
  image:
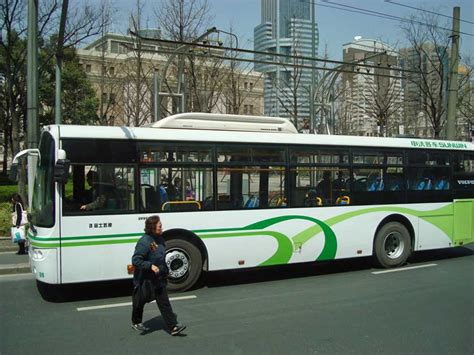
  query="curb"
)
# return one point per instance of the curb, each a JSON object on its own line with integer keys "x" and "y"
{"x": 15, "y": 269}
{"x": 8, "y": 248}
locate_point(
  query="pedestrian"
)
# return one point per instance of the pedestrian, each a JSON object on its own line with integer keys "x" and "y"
{"x": 19, "y": 219}
{"x": 150, "y": 264}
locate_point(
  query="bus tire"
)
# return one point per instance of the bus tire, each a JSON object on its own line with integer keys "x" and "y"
{"x": 184, "y": 261}
{"x": 392, "y": 245}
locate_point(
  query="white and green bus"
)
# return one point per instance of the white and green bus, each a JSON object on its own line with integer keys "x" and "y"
{"x": 238, "y": 192}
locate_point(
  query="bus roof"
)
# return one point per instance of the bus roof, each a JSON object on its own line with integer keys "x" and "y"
{"x": 187, "y": 135}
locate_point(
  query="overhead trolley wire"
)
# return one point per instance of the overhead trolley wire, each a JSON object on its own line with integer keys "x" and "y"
{"x": 305, "y": 66}
{"x": 368, "y": 12}
{"x": 271, "y": 54}
{"x": 424, "y": 10}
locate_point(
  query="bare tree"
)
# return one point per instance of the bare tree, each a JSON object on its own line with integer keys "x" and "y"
{"x": 185, "y": 21}
{"x": 137, "y": 81}
{"x": 383, "y": 101}
{"x": 428, "y": 56}
{"x": 110, "y": 84}
{"x": 329, "y": 103}
{"x": 238, "y": 82}
{"x": 466, "y": 99}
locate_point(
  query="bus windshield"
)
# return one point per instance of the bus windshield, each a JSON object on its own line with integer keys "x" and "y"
{"x": 43, "y": 196}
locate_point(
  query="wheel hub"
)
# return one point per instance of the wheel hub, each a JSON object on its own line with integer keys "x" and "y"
{"x": 178, "y": 263}
{"x": 394, "y": 245}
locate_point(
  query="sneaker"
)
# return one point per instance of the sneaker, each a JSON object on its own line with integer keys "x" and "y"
{"x": 177, "y": 329}
{"x": 140, "y": 327}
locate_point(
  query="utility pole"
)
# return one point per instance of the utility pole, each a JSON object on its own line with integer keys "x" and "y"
{"x": 277, "y": 50}
{"x": 313, "y": 78}
{"x": 32, "y": 91}
{"x": 453, "y": 76}
{"x": 59, "y": 62}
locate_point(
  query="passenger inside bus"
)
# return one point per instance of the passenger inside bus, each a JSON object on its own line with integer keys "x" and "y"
{"x": 96, "y": 194}
{"x": 323, "y": 188}
{"x": 190, "y": 193}
{"x": 175, "y": 190}
{"x": 393, "y": 182}
{"x": 312, "y": 199}
{"x": 340, "y": 183}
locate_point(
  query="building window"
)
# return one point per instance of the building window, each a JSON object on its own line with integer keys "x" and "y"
{"x": 114, "y": 47}
{"x": 112, "y": 70}
{"x": 251, "y": 86}
{"x": 246, "y": 85}
{"x": 88, "y": 68}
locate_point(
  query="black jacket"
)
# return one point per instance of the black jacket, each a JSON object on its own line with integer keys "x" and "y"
{"x": 18, "y": 209}
{"x": 150, "y": 250}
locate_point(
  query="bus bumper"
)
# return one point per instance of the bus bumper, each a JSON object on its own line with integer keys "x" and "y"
{"x": 44, "y": 264}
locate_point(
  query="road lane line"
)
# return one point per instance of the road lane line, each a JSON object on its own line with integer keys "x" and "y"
{"x": 403, "y": 269}
{"x": 113, "y": 305}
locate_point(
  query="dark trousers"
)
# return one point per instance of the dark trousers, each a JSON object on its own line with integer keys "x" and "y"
{"x": 21, "y": 247}
{"x": 162, "y": 301}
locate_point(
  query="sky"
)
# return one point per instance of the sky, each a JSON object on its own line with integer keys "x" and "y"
{"x": 336, "y": 27}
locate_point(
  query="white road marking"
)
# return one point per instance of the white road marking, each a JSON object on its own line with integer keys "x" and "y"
{"x": 113, "y": 305}
{"x": 403, "y": 269}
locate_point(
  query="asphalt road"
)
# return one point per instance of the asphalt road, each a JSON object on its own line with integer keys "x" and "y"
{"x": 325, "y": 308}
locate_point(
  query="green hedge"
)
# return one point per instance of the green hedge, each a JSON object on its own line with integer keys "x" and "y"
{"x": 5, "y": 219}
{"x": 6, "y": 192}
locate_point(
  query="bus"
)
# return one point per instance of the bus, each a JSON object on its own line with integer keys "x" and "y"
{"x": 240, "y": 192}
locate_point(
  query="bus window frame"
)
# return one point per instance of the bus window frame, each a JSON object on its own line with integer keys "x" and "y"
{"x": 102, "y": 212}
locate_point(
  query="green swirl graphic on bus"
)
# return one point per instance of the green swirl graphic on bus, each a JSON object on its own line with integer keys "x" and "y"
{"x": 285, "y": 243}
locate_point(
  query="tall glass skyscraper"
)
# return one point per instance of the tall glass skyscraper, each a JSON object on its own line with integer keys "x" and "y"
{"x": 287, "y": 28}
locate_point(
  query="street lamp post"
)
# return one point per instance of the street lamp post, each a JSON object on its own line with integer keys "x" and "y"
{"x": 160, "y": 80}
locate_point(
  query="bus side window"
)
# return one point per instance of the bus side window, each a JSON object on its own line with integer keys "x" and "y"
{"x": 99, "y": 189}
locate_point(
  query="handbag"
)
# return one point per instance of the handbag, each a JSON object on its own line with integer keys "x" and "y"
{"x": 24, "y": 216}
{"x": 18, "y": 234}
{"x": 147, "y": 290}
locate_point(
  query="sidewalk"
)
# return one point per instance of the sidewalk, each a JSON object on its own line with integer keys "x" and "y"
{"x": 10, "y": 262}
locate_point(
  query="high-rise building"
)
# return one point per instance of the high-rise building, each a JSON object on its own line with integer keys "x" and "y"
{"x": 287, "y": 28}
{"x": 372, "y": 96}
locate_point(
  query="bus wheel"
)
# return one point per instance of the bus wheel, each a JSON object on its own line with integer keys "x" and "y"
{"x": 184, "y": 262}
{"x": 392, "y": 245}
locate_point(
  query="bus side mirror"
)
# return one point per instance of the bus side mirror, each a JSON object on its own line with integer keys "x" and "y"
{"x": 61, "y": 170}
{"x": 13, "y": 172}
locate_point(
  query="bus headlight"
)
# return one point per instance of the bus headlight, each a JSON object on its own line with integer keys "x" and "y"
{"x": 38, "y": 254}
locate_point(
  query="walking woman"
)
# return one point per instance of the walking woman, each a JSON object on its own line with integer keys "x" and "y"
{"x": 17, "y": 211}
{"x": 149, "y": 262}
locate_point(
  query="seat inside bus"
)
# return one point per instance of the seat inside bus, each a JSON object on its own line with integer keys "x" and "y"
{"x": 424, "y": 184}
